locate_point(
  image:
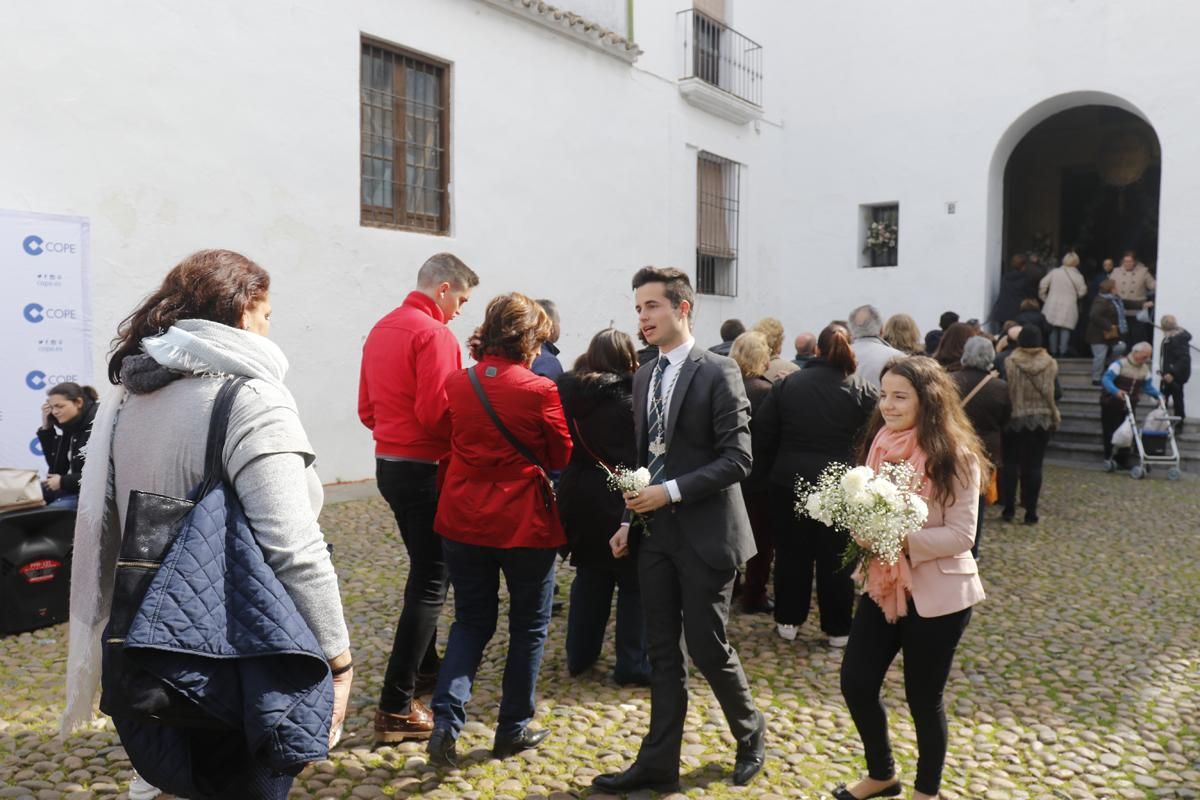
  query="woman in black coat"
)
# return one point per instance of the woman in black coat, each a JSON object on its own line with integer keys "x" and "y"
{"x": 812, "y": 419}
{"x": 598, "y": 401}
{"x": 66, "y": 425}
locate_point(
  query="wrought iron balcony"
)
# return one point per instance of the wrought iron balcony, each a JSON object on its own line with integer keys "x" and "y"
{"x": 717, "y": 56}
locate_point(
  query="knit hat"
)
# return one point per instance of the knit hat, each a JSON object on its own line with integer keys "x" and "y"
{"x": 1030, "y": 337}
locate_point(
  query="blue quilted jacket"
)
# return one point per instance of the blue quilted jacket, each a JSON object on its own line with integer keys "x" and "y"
{"x": 219, "y": 627}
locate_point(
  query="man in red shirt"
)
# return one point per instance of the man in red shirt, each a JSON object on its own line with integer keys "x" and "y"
{"x": 402, "y": 399}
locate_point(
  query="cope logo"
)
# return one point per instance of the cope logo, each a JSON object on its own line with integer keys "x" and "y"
{"x": 36, "y": 312}
{"x": 37, "y": 379}
{"x": 35, "y": 245}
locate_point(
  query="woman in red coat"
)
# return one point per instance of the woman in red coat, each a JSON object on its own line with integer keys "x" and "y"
{"x": 496, "y": 515}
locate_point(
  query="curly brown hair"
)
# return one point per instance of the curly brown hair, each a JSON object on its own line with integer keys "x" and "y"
{"x": 943, "y": 430}
{"x": 215, "y": 285}
{"x": 514, "y": 327}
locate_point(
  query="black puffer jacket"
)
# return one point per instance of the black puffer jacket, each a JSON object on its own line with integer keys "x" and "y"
{"x": 64, "y": 451}
{"x": 599, "y": 409}
{"x": 1177, "y": 356}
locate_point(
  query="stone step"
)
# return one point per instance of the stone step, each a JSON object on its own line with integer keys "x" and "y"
{"x": 1090, "y": 454}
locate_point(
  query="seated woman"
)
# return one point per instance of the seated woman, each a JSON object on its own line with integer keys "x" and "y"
{"x": 67, "y": 418}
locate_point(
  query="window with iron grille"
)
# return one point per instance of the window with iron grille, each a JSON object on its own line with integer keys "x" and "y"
{"x": 881, "y": 235}
{"x": 405, "y": 137}
{"x": 717, "y": 185}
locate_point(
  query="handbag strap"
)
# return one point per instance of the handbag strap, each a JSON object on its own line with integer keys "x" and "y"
{"x": 577, "y": 432}
{"x": 978, "y": 386}
{"x": 504, "y": 431}
{"x": 218, "y": 427}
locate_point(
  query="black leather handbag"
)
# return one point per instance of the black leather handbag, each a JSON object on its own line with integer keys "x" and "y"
{"x": 152, "y": 523}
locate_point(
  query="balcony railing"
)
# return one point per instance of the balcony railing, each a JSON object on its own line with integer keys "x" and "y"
{"x": 721, "y": 57}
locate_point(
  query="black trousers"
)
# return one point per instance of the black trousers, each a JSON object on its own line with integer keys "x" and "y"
{"x": 1172, "y": 392}
{"x": 683, "y": 598}
{"x": 1024, "y": 452}
{"x": 804, "y": 547}
{"x": 928, "y": 644}
{"x": 410, "y": 488}
{"x": 1112, "y": 416}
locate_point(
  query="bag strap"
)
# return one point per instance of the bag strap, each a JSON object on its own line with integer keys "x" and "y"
{"x": 978, "y": 386}
{"x": 218, "y": 427}
{"x": 578, "y": 434}
{"x": 504, "y": 431}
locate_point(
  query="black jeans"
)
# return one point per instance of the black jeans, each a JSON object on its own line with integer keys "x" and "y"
{"x": 1024, "y": 452}
{"x": 410, "y": 488}
{"x": 928, "y": 644}
{"x": 804, "y": 547}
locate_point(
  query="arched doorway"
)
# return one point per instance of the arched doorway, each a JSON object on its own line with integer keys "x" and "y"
{"x": 1077, "y": 171}
{"x": 1085, "y": 179}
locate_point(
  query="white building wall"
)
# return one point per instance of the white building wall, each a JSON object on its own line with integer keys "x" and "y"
{"x": 237, "y": 125}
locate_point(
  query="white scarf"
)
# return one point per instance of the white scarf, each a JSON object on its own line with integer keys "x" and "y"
{"x": 192, "y": 346}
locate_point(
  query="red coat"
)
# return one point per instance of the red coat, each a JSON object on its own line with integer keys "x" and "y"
{"x": 406, "y": 359}
{"x": 490, "y": 494}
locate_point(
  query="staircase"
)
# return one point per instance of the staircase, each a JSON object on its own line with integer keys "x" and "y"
{"x": 1078, "y": 439}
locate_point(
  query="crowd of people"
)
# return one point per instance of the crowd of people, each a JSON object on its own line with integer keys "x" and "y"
{"x": 499, "y": 469}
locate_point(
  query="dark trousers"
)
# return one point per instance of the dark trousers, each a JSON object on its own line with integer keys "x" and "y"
{"x": 1172, "y": 392}
{"x": 928, "y": 645}
{"x": 587, "y": 619}
{"x": 1024, "y": 452}
{"x": 758, "y": 568}
{"x": 1112, "y": 415}
{"x": 683, "y": 597}
{"x": 804, "y": 547}
{"x": 410, "y": 488}
{"x": 475, "y": 574}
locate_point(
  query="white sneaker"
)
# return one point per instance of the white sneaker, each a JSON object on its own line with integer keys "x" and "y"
{"x": 786, "y": 631}
{"x": 142, "y": 789}
{"x": 838, "y": 641}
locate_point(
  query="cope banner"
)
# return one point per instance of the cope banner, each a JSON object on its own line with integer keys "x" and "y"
{"x": 45, "y": 323}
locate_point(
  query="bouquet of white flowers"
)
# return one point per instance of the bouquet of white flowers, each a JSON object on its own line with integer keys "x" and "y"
{"x": 882, "y": 235}
{"x": 623, "y": 479}
{"x": 878, "y": 509}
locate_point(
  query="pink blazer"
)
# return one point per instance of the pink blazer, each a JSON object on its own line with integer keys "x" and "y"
{"x": 945, "y": 577}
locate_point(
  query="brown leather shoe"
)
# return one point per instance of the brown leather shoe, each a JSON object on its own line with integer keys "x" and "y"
{"x": 417, "y": 724}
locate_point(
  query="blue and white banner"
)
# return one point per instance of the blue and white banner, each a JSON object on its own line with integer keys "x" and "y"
{"x": 45, "y": 323}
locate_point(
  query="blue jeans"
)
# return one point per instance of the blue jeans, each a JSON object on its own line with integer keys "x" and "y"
{"x": 475, "y": 575}
{"x": 68, "y": 501}
{"x": 591, "y": 600}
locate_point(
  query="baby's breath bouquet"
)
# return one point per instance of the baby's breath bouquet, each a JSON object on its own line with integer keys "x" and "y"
{"x": 878, "y": 509}
{"x": 623, "y": 479}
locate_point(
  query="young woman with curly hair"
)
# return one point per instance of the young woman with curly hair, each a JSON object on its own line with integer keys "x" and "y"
{"x": 922, "y": 605}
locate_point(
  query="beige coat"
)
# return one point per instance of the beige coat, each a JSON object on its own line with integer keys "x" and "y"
{"x": 1133, "y": 286}
{"x": 1060, "y": 291}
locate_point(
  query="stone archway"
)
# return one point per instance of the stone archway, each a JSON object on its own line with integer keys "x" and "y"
{"x": 1090, "y": 163}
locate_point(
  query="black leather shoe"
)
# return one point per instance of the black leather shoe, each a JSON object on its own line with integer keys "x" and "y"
{"x": 631, "y": 680}
{"x": 634, "y": 779}
{"x": 842, "y": 793}
{"x": 441, "y": 748}
{"x": 525, "y": 740}
{"x": 752, "y": 755}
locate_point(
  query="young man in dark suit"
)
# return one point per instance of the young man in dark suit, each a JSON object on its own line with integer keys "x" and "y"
{"x": 691, "y": 419}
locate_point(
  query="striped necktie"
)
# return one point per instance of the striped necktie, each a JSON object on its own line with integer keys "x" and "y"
{"x": 658, "y": 438}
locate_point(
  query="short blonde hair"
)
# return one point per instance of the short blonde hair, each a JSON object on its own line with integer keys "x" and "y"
{"x": 772, "y": 330}
{"x": 1070, "y": 260}
{"x": 752, "y": 354}
{"x": 902, "y": 333}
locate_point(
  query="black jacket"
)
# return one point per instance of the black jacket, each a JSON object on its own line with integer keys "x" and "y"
{"x": 64, "y": 451}
{"x": 599, "y": 409}
{"x": 757, "y": 390}
{"x": 1014, "y": 287}
{"x": 989, "y": 410}
{"x": 811, "y": 419}
{"x": 1177, "y": 356}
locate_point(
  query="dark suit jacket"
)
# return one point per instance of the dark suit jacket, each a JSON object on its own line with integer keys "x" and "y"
{"x": 708, "y": 454}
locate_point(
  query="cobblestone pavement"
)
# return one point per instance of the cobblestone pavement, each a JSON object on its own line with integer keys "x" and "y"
{"x": 1076, "y": 679}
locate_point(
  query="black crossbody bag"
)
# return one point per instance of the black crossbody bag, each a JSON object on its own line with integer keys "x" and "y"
{"x": 544, "y": 483}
